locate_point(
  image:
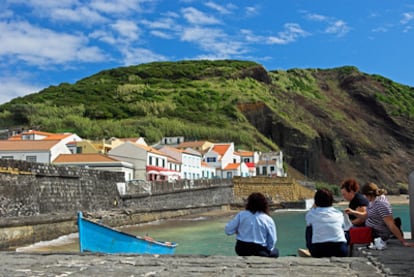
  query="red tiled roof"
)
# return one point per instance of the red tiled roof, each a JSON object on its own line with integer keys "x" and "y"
{"x": 245, "y": 153}
{"x": 79, "y": 158}
{"x": 48, "y": 136}
{"x": 232, "y": 166}
{"x": 221, "y": 148}
{"x": 204, "y": 164}
{"x": 27, "y": 145}
{"x": 150, "y": 149}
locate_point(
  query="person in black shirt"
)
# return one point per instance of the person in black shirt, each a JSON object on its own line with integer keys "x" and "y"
{"x": 357, "y": 201}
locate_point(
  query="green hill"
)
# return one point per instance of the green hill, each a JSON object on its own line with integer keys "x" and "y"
{"x": 330, "y": 124}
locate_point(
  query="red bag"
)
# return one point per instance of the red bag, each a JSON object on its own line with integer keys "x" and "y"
{"x": 360, "y": 235}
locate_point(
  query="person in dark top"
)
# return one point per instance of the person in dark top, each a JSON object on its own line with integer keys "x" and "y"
{"x": 357, "y": 201}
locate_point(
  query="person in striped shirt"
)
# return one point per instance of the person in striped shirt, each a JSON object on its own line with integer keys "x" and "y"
{"x": 379, "y": 214}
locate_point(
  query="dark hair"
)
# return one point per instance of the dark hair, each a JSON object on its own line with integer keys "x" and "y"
{"x": 350, "y": 185}
{"x": 372, "y": 189}
{"x": 257, "y": 202}
{"x": 323, "y": 198}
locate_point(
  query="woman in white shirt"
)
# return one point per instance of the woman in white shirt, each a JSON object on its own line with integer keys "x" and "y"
{"x": 325, "y": 235}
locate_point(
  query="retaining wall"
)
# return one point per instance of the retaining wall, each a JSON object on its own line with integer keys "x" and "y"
{"x": 40, "y": 201}
{"x": 278, "y": 189}
{"x": 28, "y": 189}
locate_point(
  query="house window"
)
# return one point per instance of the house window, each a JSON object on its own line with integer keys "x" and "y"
{"x": 211, "y": 159}
{"x": 229, "y": 175}
{"x": 150, "y": 160}
{"x": 272, "y": 169}
{"x": 264, "y": 170}
{"x": 7, "y": 157}
{"x": 31, "y": 159}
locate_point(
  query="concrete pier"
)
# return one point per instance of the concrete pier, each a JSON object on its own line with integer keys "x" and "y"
{"x": 395, "y": 260}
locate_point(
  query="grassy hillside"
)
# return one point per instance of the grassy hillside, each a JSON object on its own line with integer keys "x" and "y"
{"x": 331, "y": 123}
{"x": 194, "y": 99}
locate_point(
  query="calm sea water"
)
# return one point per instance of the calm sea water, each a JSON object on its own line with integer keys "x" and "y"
{"x": 205, "y": 236}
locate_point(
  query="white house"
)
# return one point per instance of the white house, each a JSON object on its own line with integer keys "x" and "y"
{"x": 234, "y": 169}
{"x": 271, "y": 164}
{"x": 96, "y": 161}
{"x": 149, "y": 163}
{"x": 38, "y": 135}
{"x": 190, "y": 161}
{"x": 219, "y": 155}
{"x": 40, "y": 151}
{"x": 207, "y": 171}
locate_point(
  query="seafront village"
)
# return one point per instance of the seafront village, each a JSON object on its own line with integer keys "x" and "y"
{"x": 170, "y": 160}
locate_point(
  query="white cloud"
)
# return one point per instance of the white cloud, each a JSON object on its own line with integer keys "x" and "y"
{"x": 291, "y": 33}
{"x": 42, "y": 47}
{"x": 219, "y": 8}
{"x": 252, "y": 10}
{"x": 141, "y": 55}
{"x": 81, "y": 15}
{"x": 6, "y": 14}
{"x": 163, "y": 23}
{"x": 46, "y": 4}
{"x": 407, "y": 17}
{"x": 316, "y": 17}
{"x": 407, "y": 29}
{"x": 127, "y": 29}
{"x": 339, "y": 28}
{"x": 380, "y": 29}
{"x": 103, "y": 36}
{"x": 213, "y": 41}
{"x": 122, "y": 6}
{"x": 160, "y": 34}
{"x": 12, "y": 88}
{"x": 197, "y": 17}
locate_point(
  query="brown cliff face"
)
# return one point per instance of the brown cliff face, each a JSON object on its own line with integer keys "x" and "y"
{"x": 344, "y": 132}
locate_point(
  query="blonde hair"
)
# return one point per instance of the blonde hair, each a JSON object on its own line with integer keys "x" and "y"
{"x": 372, "y": 190}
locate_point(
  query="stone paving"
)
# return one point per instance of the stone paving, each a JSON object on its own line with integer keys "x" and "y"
{"x": 19, "y": 264}
{"x": 396, "y": 260}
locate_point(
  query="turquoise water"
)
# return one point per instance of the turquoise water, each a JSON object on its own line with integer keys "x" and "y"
{"x": 205, "y": 236}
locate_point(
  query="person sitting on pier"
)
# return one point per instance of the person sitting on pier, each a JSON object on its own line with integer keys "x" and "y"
{"x": 255, "y": 229}
{"x": 379, "y": 215}
{"x": 357, "y": 201}
{"x": 325, "y": 235}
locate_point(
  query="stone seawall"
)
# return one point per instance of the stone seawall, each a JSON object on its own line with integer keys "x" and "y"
{"x": 28, "y": 189}
{"x": 40, "y": 201}
{"x": 183, "y": 199}
{"x": 278, "y": 190}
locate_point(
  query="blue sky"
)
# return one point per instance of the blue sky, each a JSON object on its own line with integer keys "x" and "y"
{"x": 47, "y": 42}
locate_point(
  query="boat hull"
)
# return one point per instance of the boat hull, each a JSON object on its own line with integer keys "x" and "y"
{"x": 95, "y": 237}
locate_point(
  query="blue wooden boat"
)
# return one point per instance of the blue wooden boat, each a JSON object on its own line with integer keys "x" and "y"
{"x": 95, "y": 237}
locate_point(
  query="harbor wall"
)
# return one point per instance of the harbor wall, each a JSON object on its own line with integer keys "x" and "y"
{"x": 30, "y": 189}
{"x": 40, "y": 201}
{"x": 278, "y": 190}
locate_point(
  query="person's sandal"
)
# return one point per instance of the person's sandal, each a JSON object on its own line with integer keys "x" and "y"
{"x": 304, "y": 253}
